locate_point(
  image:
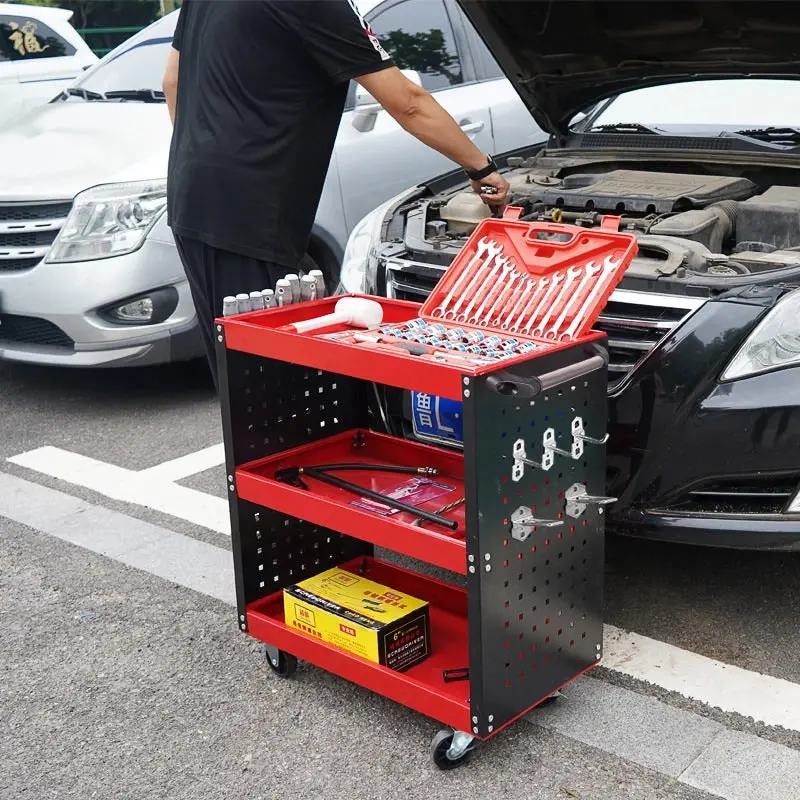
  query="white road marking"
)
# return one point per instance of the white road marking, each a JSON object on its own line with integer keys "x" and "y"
{"x": 770, "y": 700}
{"x": 688, "y": 748}
{"x": 129, "y": 486}
{"x": 172, "y": 556}
{"x": 185, "y": 466}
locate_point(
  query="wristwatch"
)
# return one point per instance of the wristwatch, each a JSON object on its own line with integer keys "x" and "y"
{"x": 479, "y": 174}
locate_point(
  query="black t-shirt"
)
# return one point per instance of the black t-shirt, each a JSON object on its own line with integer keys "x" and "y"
{"x": 261, "y": 90}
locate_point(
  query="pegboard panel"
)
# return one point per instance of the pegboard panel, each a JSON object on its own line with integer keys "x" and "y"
{"x": 535, "y": 590}
{"x": 269, "y": 406}
{"x": 275, "y": 405}
{"x": 279, "y": 550}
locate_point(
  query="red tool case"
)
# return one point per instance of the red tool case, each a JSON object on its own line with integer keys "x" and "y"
{"x": 526, "y": 617}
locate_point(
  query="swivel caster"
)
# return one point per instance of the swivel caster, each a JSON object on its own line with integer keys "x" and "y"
{"x": 282, "y": 664}
{"x": 451, "y": 749}
{"x": 551, "y": 699}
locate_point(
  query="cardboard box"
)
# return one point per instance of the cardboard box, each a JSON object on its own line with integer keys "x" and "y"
{"x": 363, "y": 617}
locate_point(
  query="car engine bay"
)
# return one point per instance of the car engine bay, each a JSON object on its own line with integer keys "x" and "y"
{"x": 690, "y": 224}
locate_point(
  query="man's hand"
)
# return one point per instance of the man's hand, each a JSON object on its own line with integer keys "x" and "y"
{"x": 493, "y": 190}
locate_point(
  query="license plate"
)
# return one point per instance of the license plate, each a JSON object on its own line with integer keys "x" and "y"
{"x": 437, "y": 419}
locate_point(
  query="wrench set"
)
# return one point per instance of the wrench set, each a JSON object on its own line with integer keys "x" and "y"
{"x": 491, "y": 291}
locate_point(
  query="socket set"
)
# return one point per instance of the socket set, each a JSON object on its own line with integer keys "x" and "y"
{"x": 290, "y": 289}
{"x": 531, "y": 280}
{"x": 486, "y": 345}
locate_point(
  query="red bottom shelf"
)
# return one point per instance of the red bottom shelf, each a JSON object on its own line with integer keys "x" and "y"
{"x": 422, "y": 687}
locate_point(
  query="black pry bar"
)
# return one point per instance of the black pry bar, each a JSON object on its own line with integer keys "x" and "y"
{"x": 292, "y": 475}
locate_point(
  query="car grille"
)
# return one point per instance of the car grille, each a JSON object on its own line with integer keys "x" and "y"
{"x": 635, "y": 322}
{"x": 31, "y": 330}
{"x": 736, "y": 496}
{"x": 27, "y": 231}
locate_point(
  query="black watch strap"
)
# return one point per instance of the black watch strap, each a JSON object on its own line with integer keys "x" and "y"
{"x": 479, "y": 174}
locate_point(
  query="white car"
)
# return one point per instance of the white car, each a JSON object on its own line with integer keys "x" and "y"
{"x": 89, "y": 273}
{"x": 40, "y": 53}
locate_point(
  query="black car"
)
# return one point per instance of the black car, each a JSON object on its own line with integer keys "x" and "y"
{"x": 704, "y": 330}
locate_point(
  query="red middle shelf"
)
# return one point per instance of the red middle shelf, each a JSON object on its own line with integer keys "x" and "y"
{"x": 332, "y": 507}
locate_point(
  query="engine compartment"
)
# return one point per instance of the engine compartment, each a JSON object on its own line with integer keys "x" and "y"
{"x": 687, "y": 224}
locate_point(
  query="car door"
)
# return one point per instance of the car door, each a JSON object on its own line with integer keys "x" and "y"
{"x": 9, "y": 79}
{"x": 512, "y": 124}
{"x": 44, "y": 60}
{"x": 378, "y": 159}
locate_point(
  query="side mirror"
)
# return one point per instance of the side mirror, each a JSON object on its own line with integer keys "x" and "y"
{"x": 367, "y": 107}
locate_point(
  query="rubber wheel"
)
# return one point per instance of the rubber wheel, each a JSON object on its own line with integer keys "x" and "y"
{"x": 286, "y": 666}
{"x": 440, "y": 744}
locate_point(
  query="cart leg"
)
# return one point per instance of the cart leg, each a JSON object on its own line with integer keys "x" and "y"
{"x": 283, "y": 664}
{"x": 451, "y": 749}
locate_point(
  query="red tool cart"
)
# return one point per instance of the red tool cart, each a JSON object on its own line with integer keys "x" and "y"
{"x": 516, "y": 347}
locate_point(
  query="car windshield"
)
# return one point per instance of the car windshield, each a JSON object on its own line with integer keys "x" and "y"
{"x": 137, "y": 64}
{"x": 721, "y": 105}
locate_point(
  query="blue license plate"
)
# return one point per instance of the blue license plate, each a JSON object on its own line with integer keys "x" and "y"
{"x": 437, "y": 419}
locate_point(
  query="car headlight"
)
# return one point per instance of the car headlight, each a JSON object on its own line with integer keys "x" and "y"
{"x": 357, "y": 254}
{"x": 109, "y": 221}
{"x": 774, "y": 343}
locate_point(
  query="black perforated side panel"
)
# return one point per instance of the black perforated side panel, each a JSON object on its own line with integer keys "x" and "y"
{"x": 536, "y": 605}
{"x": 271, "y": 406}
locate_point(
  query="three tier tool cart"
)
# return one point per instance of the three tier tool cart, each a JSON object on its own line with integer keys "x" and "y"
{"x": 317, "y": 478}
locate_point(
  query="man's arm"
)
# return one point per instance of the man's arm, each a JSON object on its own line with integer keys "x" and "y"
{"x": 170, "y": 82}
{"x": 417, "y": 112}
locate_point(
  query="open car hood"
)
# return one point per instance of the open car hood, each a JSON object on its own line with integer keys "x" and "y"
{"x": 565, "y": 56}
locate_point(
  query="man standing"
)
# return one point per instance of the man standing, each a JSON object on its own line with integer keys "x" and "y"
{"x": 255, "y": 91}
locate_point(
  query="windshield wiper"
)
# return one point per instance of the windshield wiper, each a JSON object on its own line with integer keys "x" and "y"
{"x": 624, "y": 127}
{"x": 145, "y": 95}
{"x": 86, "y": 94}
{"x": 784, "y": 137}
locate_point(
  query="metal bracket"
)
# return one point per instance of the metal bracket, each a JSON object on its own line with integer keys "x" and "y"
{"x": 578, "y": 433}
{"x": 577, "y": 500}
{"x": 549, "y": 442}
{"x": 521, "y": 459}
{"x": 523, "y": 523}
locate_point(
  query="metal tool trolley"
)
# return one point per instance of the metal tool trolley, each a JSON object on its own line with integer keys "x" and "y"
{"x": 507, "y": 332}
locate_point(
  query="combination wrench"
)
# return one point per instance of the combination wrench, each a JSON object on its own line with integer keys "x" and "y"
{"x": 505, "y": 268}
{"x": 589, "y": 272}
{"x": 573, "y": 273}
{"x": 521, "y": 301}
{"x": 493, "y": 315}
{"x": 609, "y": 265}
{"x": 492, "y": 251}
{"x": 555, "y": 280}
{"x": 474, "y": 262}
{"x": 479, "y": 291}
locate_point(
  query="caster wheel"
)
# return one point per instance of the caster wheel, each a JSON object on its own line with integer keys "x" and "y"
{"x": 282, "y": 664}
{"x": 442, "y": 749}
{"x": 550, "y": 700}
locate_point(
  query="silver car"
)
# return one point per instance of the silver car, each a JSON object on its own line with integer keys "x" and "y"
{"x": 89, "y": 274}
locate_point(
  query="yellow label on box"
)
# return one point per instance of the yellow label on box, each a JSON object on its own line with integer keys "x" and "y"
{"x": 356, "y": 614}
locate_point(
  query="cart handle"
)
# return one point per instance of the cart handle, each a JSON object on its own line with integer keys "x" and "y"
{"x": 507, "y": 383}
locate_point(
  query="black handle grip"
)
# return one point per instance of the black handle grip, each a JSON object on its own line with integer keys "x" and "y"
{"x": 511, "y": 385}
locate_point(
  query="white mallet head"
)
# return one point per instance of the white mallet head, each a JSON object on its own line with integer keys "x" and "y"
{"x": 358, "y": 312}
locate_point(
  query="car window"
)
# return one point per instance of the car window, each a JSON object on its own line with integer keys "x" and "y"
{"x": 139, "y": 67}
{"x": 418, "y": 35}
{"x": 25, "y": 39}
{"x": 488, "y": 68}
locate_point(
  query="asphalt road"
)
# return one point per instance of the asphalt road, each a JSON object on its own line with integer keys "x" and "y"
{"x": 126, "y": 685}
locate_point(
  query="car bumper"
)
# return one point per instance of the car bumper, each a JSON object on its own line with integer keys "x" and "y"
{"x": 696, "y": 461}
{"x": 51, "y": 312}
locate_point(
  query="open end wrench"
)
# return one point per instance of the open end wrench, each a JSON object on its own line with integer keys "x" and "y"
{"x": 556, "y": 279}
{"x": 516, "y": 283}
{"x": 492, "y": 251}
{"x": 474, "y": 262}
{"x": 609, "y": 265}
{"x": 521, "y": 301}
{"x": 496, "y": 286}
{"x": 579, "y": 295}
{"x": 573, "y": 273}
{"x": 479, "y": 291}
{"x": 540, "y": 286}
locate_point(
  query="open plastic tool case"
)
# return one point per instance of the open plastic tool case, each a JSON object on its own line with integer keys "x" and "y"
{"x": 522, "y": 614}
